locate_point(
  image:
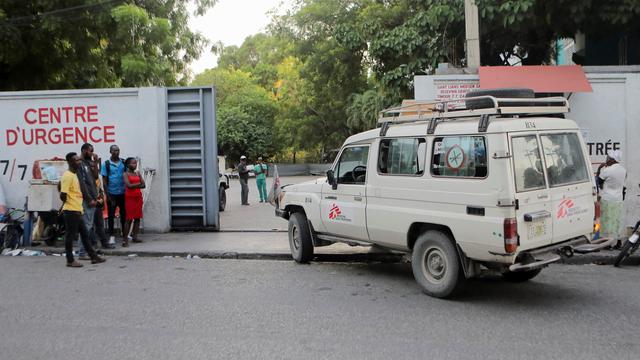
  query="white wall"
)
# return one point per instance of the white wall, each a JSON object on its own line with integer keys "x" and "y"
{"x": 134, "y": 119}
{"x": 608, "y": 116}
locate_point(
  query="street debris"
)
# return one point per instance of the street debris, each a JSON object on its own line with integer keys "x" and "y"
{"x": 22, "y": 252}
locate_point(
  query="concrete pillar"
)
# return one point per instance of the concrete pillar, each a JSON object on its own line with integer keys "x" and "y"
{"x": 472, "y": 32}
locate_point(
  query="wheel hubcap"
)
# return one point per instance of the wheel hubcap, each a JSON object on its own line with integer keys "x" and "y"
{"x": 434, "y": 265}
{"x": 295, "y": 235}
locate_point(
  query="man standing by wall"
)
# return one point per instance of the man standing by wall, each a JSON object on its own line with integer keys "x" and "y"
{"x": 114, "y": 186}
{"x": 243, "y": 174}
{"x": 262, "y": 171}
{"x": 87, "y": 174}
{"x": 72, "y": 198}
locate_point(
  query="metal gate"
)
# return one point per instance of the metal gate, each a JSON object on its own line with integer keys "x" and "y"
{"x": 193, "y": 150}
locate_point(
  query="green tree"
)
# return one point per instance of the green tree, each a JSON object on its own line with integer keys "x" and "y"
{"x": 58, "y": 44}
{"x": 245, "y": 113}
{"x": 331, "y": 70}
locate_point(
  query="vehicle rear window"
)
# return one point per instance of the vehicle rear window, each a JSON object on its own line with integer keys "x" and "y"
{"x": 527, "y": 163}
{"x": 564, "y": 159}
{"x": 402, "y": 156}
{"x": 459, "y": 156}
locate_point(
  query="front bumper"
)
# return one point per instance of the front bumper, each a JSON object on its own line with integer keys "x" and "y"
{"x": 541, "y": 257}
{"x": 282, "y": 213}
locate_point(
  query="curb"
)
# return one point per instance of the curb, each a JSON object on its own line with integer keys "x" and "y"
{"x": 233, "y": 255}
{"x": 601, "y": 258}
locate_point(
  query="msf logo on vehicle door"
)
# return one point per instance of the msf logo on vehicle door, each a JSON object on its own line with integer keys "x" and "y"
{"x": 335, "y": 214}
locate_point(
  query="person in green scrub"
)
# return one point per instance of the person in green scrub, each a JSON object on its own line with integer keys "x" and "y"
{"x": 262, "y": 171}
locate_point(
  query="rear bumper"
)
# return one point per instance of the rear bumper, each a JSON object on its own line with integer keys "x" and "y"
{"x": 541, "y": 257}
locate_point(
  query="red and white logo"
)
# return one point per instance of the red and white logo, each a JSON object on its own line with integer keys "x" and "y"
{"x": 563, "y": 208}
{"x": 334, "y": 212}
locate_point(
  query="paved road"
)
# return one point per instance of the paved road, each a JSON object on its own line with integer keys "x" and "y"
{"x": 257, "y": 216}
{"x": 142, "y": 308}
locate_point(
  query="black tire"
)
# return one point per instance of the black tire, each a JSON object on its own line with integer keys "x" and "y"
{"x": 12, "y": 237}
{"x": 436, "y": 265}
{"x": 49, "y": 235}
{"x": 472, "y": 103}
{"x": 222, "y": 198}
{"x": 520, "y": 276}
{"x": 300, "y": 240}
{"x": 626, "y": 251}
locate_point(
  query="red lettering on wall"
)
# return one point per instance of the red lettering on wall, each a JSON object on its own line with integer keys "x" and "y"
{"x": 54, "y": 113}
{"x": 110, "y": 134}
{"x": 12, "y": 137}
{"x": 67, "y": 135}
{"x": 79, "y": 112}
{"x": 43, "y": 115}
{"x": 92, "y": 113}
{"x": 41, "y": 134}
{"x": 54, "y": 136}
{"x": 92, "y": 137}
{"x": 81, "y": 135}
{"x": 26, "y": 116}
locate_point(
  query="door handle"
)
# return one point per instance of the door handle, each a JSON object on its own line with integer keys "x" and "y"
{"x": 538, "y": 215}
{"x": 331, "y": 197}
{"x": 543, "y": 196}
{"x": 357, "y": 198}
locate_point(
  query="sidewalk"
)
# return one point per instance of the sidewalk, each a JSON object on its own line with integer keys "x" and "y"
{"x": 275, "y": 246}
{"x": 238, "y": 245}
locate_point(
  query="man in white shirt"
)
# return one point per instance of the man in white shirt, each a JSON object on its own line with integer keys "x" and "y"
{"x": 612, "y": 175}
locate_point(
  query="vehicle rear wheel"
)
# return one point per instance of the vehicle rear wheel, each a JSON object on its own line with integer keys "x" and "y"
{"x": 300, "y": 240}
{"x": 222, "y": 198}
{"x": 436, "y": 265}
{"x": 521, "y": 276}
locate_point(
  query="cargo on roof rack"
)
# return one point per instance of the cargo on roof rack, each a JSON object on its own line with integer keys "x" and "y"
{"x": 436, "y": 111}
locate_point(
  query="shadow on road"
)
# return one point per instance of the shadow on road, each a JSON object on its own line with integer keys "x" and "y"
{"x": 549, "y": 289}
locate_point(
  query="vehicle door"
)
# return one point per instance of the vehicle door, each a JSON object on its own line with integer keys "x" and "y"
{"x": 534, "y": 210}
{"x": 343, "y": 209}
{"x": 570, "y": 184}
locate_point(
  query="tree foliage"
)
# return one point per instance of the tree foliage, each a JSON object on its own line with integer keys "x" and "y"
{"x": 332, "y": 65}
{"x": 245, "y": 113}
{"x": 61, "y": 44}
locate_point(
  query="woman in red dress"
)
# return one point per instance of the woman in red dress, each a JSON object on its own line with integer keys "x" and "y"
{"x": 133, "y": 182}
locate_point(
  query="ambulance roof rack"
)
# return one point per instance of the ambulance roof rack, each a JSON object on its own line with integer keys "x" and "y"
{"x": 480, "y": 106}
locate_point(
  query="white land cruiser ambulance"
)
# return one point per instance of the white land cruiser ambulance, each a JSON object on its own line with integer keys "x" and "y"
{"x": 501, "y": 183}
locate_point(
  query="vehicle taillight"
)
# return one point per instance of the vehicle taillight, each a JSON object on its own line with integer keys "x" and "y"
{"x": 510, "y": 235}
{"x": 596, "y": 220}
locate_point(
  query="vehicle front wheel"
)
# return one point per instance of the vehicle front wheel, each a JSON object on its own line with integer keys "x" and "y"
{"x": 300, "y": 240}
{"x": 520, "y": 276}
{"x": 436, "y": 265}
{"x": 222, "y": 198}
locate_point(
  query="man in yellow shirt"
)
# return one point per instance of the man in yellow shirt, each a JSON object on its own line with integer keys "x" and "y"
{"x": 71, "y": 196}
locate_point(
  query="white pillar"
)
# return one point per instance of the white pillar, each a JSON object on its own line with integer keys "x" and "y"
{"x": 472, "y": 34}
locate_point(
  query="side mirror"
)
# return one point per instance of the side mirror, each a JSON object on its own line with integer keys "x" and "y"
{"x": 331, "y": 178}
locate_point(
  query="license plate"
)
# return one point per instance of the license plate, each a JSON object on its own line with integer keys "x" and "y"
{"x": 537, "y": 229}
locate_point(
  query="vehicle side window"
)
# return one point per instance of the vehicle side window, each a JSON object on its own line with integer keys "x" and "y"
{"x": 459, "y": 156}
{"x": 564, "y": 158}
{"x": 527, "y": 163}
{"x": 402, "y": 156}
{"x": 352, "y": 166}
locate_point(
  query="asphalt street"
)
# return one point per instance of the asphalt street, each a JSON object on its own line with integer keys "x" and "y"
{"x": 168, "y": 308}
